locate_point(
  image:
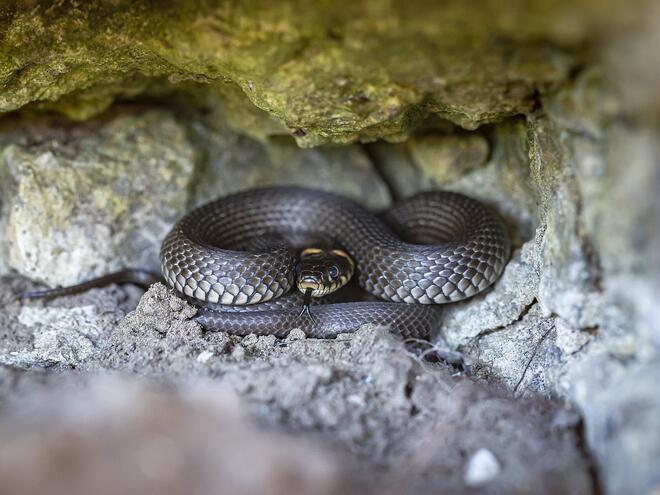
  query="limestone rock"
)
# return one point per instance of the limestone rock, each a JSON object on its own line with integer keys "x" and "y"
{"x": 233, "y": 163}
{"x": 498, "y": 177}
{"x": 89, "y": 200}
{"x": 445, "y": 158}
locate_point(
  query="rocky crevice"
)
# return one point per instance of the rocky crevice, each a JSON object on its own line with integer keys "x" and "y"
{"x": 528, "y": 111}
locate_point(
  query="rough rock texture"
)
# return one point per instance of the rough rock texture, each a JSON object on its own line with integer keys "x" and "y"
{"x": 374, "y": 414}
{"x": 443, "y": 158}
{"x": 233, "y": 162}
{"x": 97, "y": 197}
{"x": 335, "y": 73}
{"x": 572, "y": 315}
{"x": 547, "y": 112}
{"x": 58, "y": 336}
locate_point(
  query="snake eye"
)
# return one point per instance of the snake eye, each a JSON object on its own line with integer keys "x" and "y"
{"x": 333, "y": 271}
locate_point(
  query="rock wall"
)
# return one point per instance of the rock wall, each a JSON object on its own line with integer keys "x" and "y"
{"x": 549, "y": 114}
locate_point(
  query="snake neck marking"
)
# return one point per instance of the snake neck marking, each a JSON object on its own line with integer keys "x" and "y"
{"x": 321, "y": 272}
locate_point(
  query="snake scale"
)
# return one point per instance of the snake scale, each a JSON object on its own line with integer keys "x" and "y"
{"x": 241, "y": 252}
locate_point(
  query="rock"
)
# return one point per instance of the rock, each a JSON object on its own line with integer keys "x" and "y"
{"x": 322, "y": 75}
{"x": 572, "y": 294}
{"x": 70, "y": 199}
{"x": 123, "y": 436}
{"x": 88, "y": 200}
{"x": 616, "y": 353}
{"x": 65, "y": 334}
{"x": 443, "y": 158}
{"x": 396, "y": 165}
{"x": 619, "y": 403}
{"x": 512, "y": 297}
{"x": 574, "y": 300}
{"x": 205, "y": 356}
{"x": 158, "y": 337}
{"x": 235, "y": 163}
{"x": 501, "y": 182}
{"x": 481, "y": 468}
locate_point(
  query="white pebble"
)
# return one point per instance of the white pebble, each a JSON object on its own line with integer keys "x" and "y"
{"x": 481, "y": 468}
{"x": 295, "y": 334}
{"x": 204, "y": 356}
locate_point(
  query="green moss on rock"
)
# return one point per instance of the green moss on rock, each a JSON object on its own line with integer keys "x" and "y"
{"x": 333, "y": 72}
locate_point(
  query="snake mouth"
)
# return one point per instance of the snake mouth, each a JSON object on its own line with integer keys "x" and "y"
{"x": 311, "y": 284}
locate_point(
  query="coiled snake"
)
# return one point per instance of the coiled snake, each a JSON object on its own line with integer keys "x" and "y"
{"x": 238, "y": 256}
{"x": 241, "y": 250}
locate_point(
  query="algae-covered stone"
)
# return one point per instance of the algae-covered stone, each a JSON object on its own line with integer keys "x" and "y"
{"x": 87, "y": 200}
{"x": 334, "y": 72}
{"x": 429, "y": 161}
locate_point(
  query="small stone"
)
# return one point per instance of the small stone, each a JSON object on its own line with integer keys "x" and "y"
{"x": 176, "y": 304}
{"x": 238, "y": 352}
{"x": 295, "y": 334}
{"x": 481, "y": 468}
{"x": 205, "y": 356}
{"x": 250, "y": 341}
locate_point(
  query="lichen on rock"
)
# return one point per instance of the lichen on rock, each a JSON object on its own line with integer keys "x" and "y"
{"x": 333, "y": 74}
{"x": 97, "y": 198}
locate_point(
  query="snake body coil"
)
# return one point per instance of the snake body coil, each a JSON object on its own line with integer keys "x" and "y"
{"x": 434, "y": 248}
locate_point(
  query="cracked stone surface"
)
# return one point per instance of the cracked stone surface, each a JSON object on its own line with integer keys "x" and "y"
{"x": 574, "y": 298}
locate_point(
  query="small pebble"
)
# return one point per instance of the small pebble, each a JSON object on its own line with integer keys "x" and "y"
{"x": 204, "y": 356}
{"x": 295, "y": 334}
{"x": 176, "y": 304}
{"x": 481, "y": 468}
{"x": 238, "y": 352}
{"x": 250, "y": 341}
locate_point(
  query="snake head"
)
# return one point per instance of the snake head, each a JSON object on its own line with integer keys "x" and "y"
{"x": 323, "y": 271}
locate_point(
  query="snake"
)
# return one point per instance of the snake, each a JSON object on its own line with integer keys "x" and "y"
{"x": 241, "y": 257}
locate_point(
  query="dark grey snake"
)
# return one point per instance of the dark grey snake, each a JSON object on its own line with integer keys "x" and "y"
{"x": 238, "y": 255}
{"x": 456, "y": 248}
